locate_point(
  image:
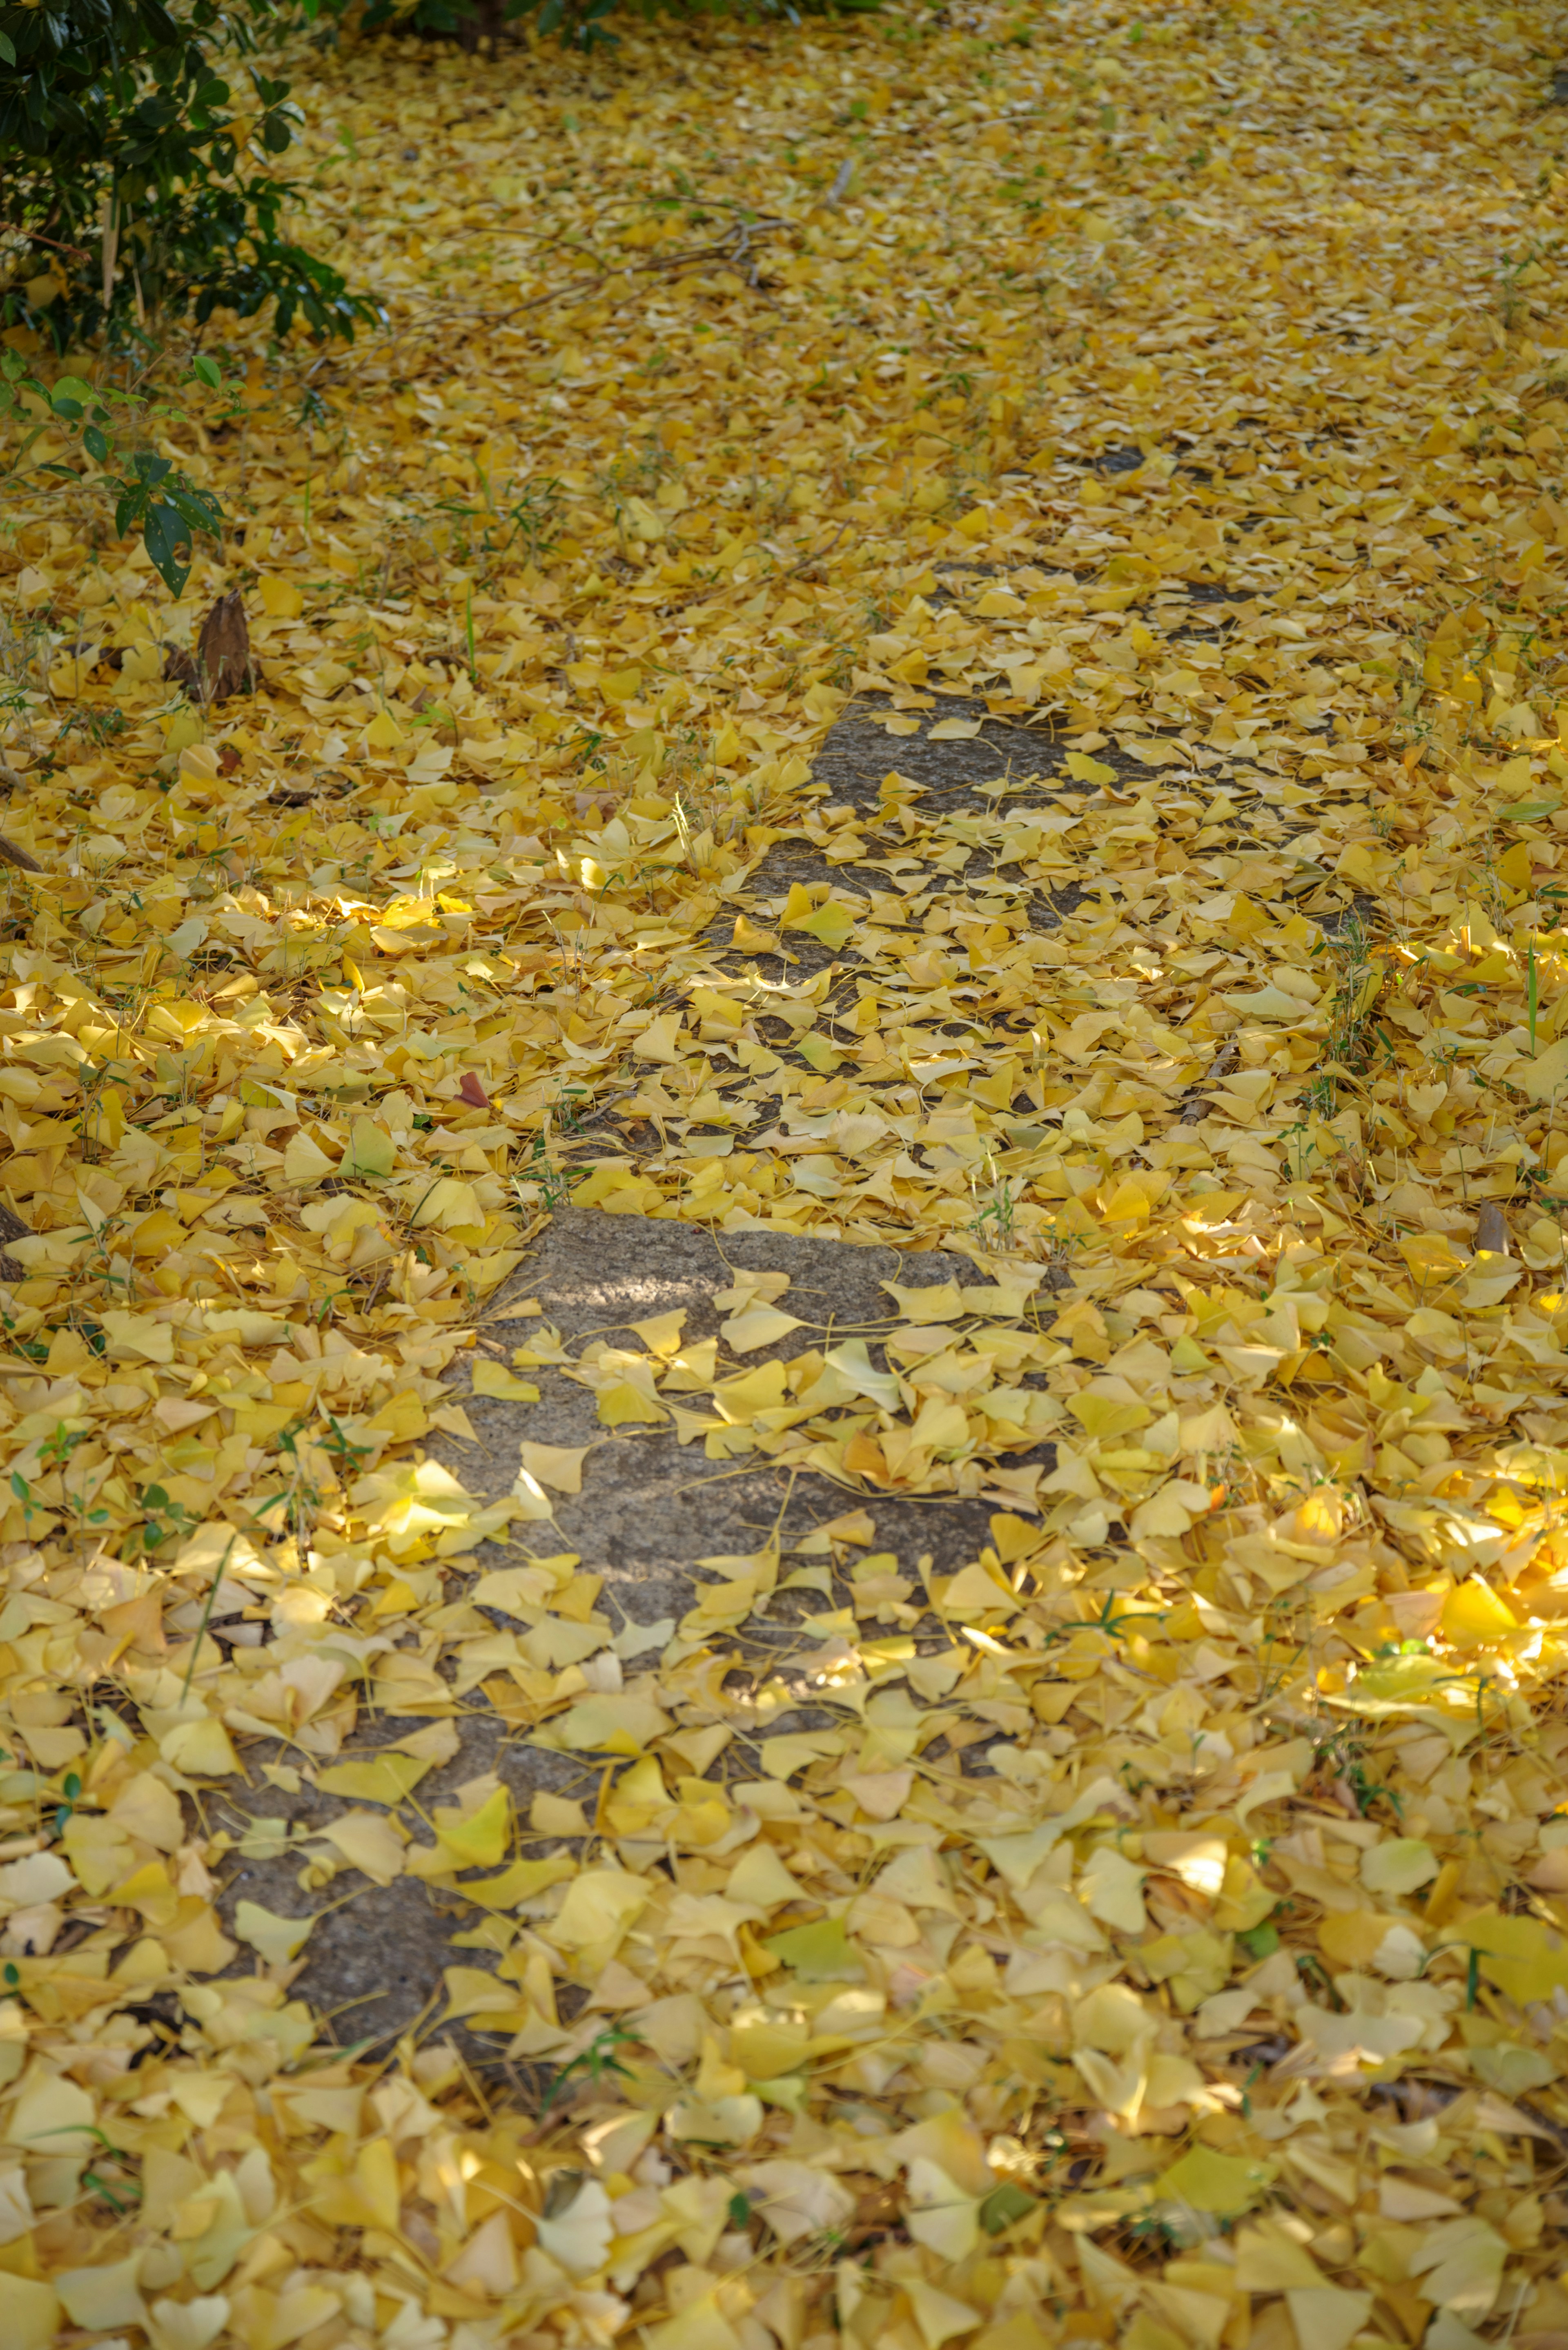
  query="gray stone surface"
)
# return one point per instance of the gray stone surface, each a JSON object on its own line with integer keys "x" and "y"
{"x": 649, "y": 1508}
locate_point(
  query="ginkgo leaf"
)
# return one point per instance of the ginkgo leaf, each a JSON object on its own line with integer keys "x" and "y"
{"x": 276, "y": 1939}
{"x": 495, "y": 1379}
{"x": 1209, "y": 2180}
{"x": 1400, "y": 1865}
{"x": 384, "y": 1778}
{"x": 758, "y": 1326}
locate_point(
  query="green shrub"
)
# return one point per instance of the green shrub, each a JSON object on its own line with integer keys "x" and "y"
{"x": 580, "y": 23}
{"x": 133, "y": 183}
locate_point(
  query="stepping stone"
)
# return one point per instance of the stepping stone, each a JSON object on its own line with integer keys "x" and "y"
{"x": 649, "y": 1510}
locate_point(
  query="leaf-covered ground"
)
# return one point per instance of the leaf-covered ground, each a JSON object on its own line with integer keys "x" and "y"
{"x": 1155, "y": 1931}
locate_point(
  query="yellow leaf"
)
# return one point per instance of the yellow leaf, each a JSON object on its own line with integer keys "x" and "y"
{"x": 765, "y": 2047}
{"x": 1327, "y": 2315}
{"x": 1199, "y": 1860}
{"x": 1207, "y": 2180}
{"x": 939, "y": 2315}
{"x": 738, "y": 1400}
{"x": 1527, "y": 1959}
{"x": 822, "y": 1952}
{"x": 137, "y": 1337}
{"x": 1399, "y": 1865}
{"x": 368, "y": 2197}
{"x": 940, "y": 2215}
{"x": 487, "y": 2264}
{"x": 518, "y": 1883}
{"x": 661, "y": 1040}
{"x": 818, "y": 1050}
{"x": 305, "y": 1162}
{"x": 371, "y": 1151}
{"x": 104, "y": 2297}
{"x": 479, "y": 1841}
{"x": 559, "y": 1466}
{"x": 53, "y": 2115}
{"x": 1476, "y": 1617}
{"x": 758, "y": 1326}
{"x": 599, "y": 1907}
{"x": 702, "y": 2326}
{"x": 278, "y": 1939}
{"x": 831, "y": 924}
{"x": 200, "y": 1747}
{"x": 1112, "y": 1890}
{"x": 1544, "y": 1076}
{"x": 280, "y": 598}
{"x": 624, "y": 1723}
{"x": 621, "y": 1404}
{"x": 448, "y": 1204}
{"x": 494, "y": 1379}
{"x": 1244, "y": 1899}
{"x": 1268, "y": 2260}
{"x": 32, "y": 2313}
{"x": 938, "y": 1302}
{"x": 385, "y": 1778}
{"x": 1104, "y": 1416}
{"x": 369, "y": 1843}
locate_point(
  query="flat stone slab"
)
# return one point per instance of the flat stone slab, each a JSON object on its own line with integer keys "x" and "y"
{"x": 649, "y": 1508}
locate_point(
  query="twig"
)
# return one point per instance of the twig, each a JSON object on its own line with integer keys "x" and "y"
{"x": 735, "y": 247}
{"x": 818, "y": 554}
{"x": 36, "y": 236}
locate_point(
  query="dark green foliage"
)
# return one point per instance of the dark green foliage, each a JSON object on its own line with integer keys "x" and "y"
{"x": 155, "y": 496}
{"x": 580, "y": 23}
{"x": 138, "y": 190}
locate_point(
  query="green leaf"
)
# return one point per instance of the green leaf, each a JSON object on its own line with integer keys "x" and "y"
{"x": 208, "y": 372}
{"x": 200, "y": 508}
{"x": 8, "y": 54}
{"x": 1002, "y": 2206}
{"x": 821, "y": 1952}
{"x": 166, "y": 535}
{"x": 72, "y": 387}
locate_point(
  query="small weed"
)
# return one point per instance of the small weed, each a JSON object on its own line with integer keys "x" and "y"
{"x": 1353, "y": 1034}
{"x": 992, "y": 1221}
{"x": 162, "y": 1520}
{"x": 597, "y": 2062}
{"x": 1300, "y": 1148}
{"x": 554, "y": 1184}
{"x": 1341, "y": 1759}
